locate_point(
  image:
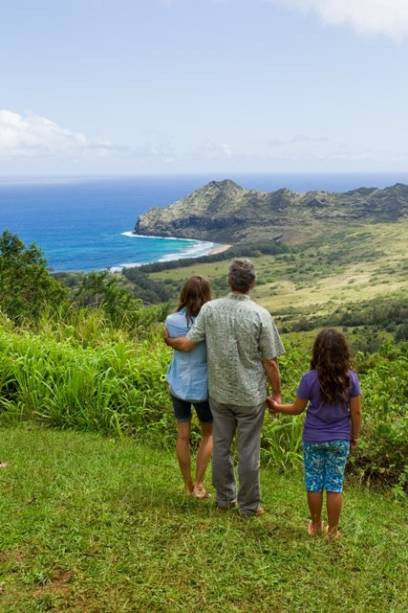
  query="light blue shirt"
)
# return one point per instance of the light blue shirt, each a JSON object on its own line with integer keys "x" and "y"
{"x": 188, "y": 372}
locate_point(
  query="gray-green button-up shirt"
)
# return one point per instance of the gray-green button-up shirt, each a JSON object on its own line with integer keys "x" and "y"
{"x": 239, "y": 335}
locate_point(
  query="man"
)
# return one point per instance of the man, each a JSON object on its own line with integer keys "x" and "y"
{"x": 242, "y": 346}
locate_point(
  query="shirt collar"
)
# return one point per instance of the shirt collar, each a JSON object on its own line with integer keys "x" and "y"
{"x": 239, "y": 296}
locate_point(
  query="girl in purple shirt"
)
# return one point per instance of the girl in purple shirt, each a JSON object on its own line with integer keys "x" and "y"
{"x": 331, "y": 393}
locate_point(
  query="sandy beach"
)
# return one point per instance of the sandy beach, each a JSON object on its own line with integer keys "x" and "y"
{"x": 219, "y": 249}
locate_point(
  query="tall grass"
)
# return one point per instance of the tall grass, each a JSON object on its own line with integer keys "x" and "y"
{"x": 104, "y": 382}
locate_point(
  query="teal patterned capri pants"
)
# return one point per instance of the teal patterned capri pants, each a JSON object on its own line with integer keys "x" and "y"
{"x": 324, "y": 465}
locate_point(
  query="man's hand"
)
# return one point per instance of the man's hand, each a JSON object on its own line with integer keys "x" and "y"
{"x": 354, "y": 443}
{"x": 273, "y": 404}
{"x": 180, "y": 343}
{"x": 276, "y": 398}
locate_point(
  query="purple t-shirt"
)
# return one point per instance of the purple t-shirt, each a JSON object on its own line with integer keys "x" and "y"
{"x": 326, "y": 421}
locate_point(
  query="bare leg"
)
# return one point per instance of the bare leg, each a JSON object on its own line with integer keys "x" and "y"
{"x": 334, "y": 504}
{"x": 315, "y": 501}
{"x": 203, "y": 456}
{"x": 183, "y": 453}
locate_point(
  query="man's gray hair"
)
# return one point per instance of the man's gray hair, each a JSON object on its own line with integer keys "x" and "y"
{"x": 241, "y": 275}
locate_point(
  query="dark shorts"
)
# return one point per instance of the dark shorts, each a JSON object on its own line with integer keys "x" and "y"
{"x": 182, "y": 410}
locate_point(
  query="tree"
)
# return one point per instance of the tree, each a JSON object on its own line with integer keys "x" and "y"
{"x": 26, "y": 286}
{"x": 109, "y": 292}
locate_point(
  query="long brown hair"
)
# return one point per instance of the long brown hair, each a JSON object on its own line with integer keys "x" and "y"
{"x": 195, "y": 292}
{"x": 331, "y": 358}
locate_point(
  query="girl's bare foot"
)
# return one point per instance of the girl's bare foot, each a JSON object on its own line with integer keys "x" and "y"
{"x": 199, "y": 491}
{"x": 3, "y": 464}
{"x": 333, "y": 535}
{"x": 314, "y": 529}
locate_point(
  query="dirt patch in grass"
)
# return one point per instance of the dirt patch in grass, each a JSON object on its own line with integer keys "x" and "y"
{"x": 59, "y": 583}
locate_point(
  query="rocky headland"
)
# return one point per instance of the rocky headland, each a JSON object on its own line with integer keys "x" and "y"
{"x": 225, "y": 212}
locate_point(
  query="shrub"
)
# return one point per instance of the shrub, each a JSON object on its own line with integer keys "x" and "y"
{"x": 384, "y": 448}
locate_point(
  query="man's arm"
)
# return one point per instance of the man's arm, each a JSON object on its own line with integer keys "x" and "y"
{"x": 272, "y": 372}
{"x": 270, "y": 344}
{"x": 181, "y": 343}
{"x": 195, "y": 335}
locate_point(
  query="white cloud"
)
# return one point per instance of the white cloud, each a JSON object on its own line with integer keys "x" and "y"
{"x": 387, "y": 17}
{"x": 30, "y": 135}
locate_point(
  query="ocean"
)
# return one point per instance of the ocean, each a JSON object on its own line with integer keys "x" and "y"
{"x": 84, "y": 224}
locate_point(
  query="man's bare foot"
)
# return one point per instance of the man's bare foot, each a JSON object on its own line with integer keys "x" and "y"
{"x": 188, "y": 489}
{"x": 3, "y": 464}
{"x": 314, "y": 529}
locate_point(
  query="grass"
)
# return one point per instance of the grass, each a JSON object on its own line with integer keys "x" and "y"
{"x": 93, "y": 524}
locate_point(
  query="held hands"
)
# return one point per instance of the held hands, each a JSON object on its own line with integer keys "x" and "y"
{"x": 273, "y": 403}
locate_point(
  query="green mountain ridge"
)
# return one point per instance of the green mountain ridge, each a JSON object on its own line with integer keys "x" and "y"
{"x": 223, "y": 211}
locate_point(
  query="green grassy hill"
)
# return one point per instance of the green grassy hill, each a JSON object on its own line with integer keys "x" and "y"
{"x": 316, "y": 279}
{"x": 92, "y": 524}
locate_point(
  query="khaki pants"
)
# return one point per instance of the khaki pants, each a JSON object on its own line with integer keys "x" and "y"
{"x": 247, "y": 422}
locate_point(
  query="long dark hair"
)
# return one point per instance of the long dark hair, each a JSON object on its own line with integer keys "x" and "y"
{"x": 331, "y": 358}
{"x": 195, "y": 292}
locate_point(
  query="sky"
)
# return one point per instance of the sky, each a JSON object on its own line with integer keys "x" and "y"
{"x": 127, "y": 87}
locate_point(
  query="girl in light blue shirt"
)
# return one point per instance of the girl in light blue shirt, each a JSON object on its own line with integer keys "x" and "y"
{"x": 188, "y": 381}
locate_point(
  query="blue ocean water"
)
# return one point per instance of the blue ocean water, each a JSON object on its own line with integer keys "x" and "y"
{"x": 85, "y": 223}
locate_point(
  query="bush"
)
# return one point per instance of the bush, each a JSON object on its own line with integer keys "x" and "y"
{"x": 383, "y": 453}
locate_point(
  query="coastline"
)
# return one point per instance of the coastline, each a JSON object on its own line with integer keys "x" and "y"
{"x": 197, "y": 249}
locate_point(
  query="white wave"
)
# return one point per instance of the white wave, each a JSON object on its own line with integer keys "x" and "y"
{"x": 131, "y": 234}
{"x": 200, "y": 249}
{"x": 126, "y": 265}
